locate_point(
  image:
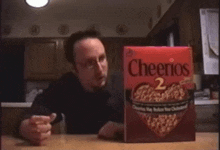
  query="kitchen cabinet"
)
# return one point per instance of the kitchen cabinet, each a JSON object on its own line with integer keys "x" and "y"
{"x": 10, "y": 119}
{"x": 184, "y": 13}
{"x": 114, "y": 50}
{"x": 41, "y": 60}
{"x": 45, "y": 59}
{"x": 62, "y": 65}
{"x": 207, "y": 118}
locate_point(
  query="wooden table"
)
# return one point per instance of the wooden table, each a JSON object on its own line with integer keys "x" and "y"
{"x": 204, "y": 141}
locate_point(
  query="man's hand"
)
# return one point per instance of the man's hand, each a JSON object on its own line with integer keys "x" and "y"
{"x": 112, "y": 130}
{"x": 37, "y": 128}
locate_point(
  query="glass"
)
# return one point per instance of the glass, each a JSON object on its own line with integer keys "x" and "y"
{"x": 91, "y": 64}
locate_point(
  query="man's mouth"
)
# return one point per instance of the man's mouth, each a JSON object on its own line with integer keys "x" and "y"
{"x": 101, "y": 78}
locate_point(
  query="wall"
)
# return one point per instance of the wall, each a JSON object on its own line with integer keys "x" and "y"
{"x": 18, "y": 18}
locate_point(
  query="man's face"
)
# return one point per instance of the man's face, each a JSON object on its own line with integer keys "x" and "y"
{"x": 91, "y": 63}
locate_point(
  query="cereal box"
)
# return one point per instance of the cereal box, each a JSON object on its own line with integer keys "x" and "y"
{"x": 159, "y": 103}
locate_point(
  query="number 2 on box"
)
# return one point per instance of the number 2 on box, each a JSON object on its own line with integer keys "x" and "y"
{"x": 161, "y": 81}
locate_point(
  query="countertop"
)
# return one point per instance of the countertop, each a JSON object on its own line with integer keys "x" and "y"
{"x": 28, "y": 104}
{"x": 204, "y": 141}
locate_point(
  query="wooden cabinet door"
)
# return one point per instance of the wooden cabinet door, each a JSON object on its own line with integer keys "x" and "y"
{"x": 41, "y": 61}
{"x": 63, "y": 66}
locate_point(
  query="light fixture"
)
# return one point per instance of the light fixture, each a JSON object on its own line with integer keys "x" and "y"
{"x": 37, "y": 3}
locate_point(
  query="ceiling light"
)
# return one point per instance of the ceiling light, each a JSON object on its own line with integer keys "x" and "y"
{"x": 37, "y": 3}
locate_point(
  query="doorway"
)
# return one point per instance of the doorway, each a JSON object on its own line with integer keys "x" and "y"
{"x": 12, "y": 85}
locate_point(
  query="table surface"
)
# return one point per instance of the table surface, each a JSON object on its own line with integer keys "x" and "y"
{"x": 204, "y": 141}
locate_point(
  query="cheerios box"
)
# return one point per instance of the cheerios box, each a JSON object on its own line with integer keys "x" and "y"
{"x": 158, "y": 86}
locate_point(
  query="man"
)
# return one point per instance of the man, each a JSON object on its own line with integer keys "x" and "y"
{"x": 83, "y": 97}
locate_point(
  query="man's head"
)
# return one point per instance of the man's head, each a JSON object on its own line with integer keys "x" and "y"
{"x": 87, "y": 54}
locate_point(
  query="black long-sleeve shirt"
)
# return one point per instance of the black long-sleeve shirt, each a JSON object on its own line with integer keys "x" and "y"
{"x": 85, "y": 112}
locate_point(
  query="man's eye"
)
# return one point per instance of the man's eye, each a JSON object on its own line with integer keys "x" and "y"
{"x": 90, "y": 63}
{"x": 102, "y": 58}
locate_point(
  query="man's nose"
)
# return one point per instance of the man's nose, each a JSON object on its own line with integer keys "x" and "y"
{"x": 99, "y": 67}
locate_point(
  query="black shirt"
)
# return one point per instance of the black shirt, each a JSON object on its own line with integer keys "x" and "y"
{"x": 85, "y": 112}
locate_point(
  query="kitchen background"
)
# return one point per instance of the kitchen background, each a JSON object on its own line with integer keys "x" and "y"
{"x": 32, "y": 41}
{"x": 32, "y": 48}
